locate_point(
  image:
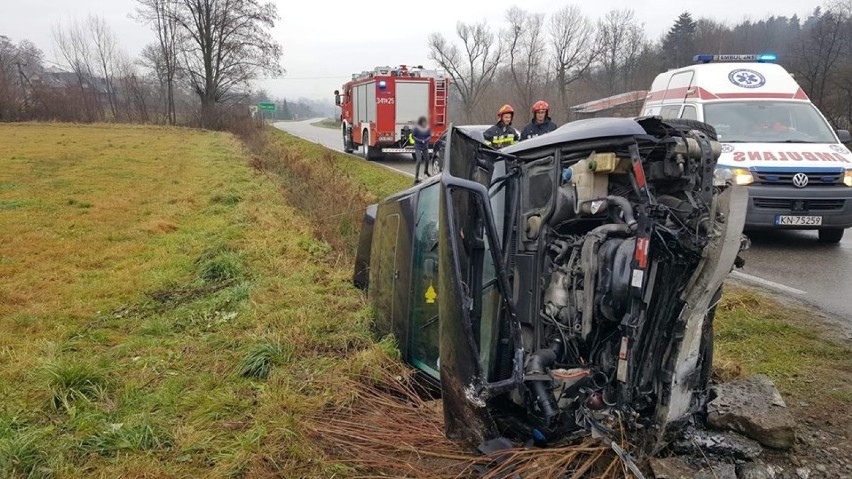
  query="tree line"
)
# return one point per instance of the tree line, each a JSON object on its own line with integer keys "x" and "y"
{"x": 568, "y": 58}
{"x": 197, "y": 70}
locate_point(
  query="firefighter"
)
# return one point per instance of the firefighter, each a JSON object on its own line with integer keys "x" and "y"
{"x": 502, "y": 134}
{"x": 421, "y": 134}
{"x": 540, "y": 123}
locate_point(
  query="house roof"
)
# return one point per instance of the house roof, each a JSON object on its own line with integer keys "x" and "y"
{"x": 610, "y": 102}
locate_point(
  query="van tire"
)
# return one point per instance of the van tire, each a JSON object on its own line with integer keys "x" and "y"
{"x": 685, "y": 126}
{"x": 831, "y": 235}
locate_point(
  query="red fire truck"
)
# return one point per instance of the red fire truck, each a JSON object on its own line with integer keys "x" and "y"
{"x": 380, "y": 107}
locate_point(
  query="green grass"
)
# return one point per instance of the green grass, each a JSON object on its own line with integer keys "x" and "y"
{"x": 327, "y": 123}
{"x": 164, "y": 312}
{"x": 754, "y": 334}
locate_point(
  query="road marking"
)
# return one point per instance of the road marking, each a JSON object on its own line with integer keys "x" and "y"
{"x": 765, "y": 282}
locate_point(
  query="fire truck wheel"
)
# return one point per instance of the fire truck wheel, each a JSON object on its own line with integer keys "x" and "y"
{"x": 370, "y": 153}
{"x": 347, "y": 140}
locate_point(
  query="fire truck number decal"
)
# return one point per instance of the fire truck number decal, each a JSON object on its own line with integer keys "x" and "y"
{"x": 384, "y": 101}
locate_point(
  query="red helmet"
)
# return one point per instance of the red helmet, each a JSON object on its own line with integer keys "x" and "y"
{"x": 505, "y": 109}
{"x": 540, "y": 105}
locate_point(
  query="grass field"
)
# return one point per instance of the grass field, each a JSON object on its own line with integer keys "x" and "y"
{"x": 163, "y": 312}
{"x": 174, "y": 303}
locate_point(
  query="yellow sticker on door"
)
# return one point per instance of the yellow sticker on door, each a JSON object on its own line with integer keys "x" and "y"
{"x": 431, "y": 295}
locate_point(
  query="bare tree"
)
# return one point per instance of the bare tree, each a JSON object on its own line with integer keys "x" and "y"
{"x": 575, "y": 49}
{"x": 821, "y": 46}
{"x": 104, "y": 51}
{"x": 622, "y": 41}
{"x": 526, "y": 48}
{"x": 73, "y": 44}
{"x": 472, "y": 70}
{"x": 161, "y": 15}
{"x": 225, "y": 44}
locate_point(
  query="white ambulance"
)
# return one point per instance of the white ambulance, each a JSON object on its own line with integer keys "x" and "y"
{"x": 773, "y": 139}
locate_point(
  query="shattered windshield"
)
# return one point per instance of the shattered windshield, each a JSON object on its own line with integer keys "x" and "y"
{"x": 767, "y": 122}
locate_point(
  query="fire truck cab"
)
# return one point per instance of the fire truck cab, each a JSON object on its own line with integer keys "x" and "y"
{"x": 798, "y": 172}
{"x": 378, "y": 108}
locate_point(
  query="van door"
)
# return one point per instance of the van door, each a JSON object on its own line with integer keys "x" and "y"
{"x": 678, "y": 87}
{"x": 423, "y": 326}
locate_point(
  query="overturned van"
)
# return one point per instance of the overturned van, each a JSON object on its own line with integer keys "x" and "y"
{"x": 798, "y": 172}
{"x": 562, "y": 286}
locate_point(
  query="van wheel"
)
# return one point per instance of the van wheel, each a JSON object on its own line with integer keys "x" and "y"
{"x": 831, "y": 235}
{"x": 684, "y": 125}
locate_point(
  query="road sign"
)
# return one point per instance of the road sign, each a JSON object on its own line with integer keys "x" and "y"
{"x": 266, "y": 106}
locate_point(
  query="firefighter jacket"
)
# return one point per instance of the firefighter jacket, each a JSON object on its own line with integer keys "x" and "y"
{"x": 534, "y": 129}
{"x": 420, "y": 137}
{"x": 501, "y": 135}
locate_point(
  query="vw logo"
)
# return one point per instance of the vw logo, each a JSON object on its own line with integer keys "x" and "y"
{"x": 800, "y": 180}
{"x": 743, "y": 77}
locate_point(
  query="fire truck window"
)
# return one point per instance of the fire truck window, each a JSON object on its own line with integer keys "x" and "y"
{"x": 670, "y": 111}
{"x": 689, "y": 113}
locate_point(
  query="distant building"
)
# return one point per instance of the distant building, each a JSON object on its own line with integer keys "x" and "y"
{"x": 625, "y": 105}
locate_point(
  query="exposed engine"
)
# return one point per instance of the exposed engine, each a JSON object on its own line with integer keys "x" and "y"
{"x": 625, "y": 258}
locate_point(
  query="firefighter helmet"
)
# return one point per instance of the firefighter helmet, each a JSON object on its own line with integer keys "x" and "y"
{"x": 505, "y": 109}
{"x": 540, "y": 105}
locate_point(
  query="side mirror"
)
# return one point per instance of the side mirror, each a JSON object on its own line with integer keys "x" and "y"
{"x": 844, "y": 136}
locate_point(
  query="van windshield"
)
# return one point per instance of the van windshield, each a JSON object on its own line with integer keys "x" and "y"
{"x": 767, "y": 122}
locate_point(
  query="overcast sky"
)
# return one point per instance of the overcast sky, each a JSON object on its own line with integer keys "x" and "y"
{"x": 325, "y": 41}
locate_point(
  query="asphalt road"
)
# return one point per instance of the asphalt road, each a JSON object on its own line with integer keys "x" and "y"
{"x": 333, "y": 139}
{"x": 790, "y": 263}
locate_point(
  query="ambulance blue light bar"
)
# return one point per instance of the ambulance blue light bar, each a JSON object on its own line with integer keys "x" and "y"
{"x": 760, "y": 58}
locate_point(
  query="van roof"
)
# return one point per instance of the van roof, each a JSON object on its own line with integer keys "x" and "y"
{"x": 725, "y": 81}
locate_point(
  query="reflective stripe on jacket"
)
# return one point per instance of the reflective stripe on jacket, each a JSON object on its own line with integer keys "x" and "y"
{"x": 501, "y": 135}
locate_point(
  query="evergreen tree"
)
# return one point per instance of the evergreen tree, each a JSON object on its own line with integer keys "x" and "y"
{"x": 679, "y": 43}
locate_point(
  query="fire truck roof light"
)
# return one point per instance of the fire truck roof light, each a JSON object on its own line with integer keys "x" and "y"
{"x": 383, "y": 84}
{"x": 760, "y": 58}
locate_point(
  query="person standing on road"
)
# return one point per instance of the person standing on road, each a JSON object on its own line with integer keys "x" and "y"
{"x": 540, "y": 123}
{"x": 421, "y": 134}
{"x": 502, "y": 134}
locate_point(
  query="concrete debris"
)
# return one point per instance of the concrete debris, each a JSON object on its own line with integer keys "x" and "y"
{"x": 716, "y": 443}
{"x": 754, "y": 408}
{"x": 753, "y": 470}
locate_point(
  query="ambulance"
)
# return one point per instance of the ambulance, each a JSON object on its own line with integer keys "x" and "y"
{"x": 798, "y": 171}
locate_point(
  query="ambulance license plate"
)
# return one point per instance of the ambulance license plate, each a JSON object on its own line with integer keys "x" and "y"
{"x": 787, "y": 220}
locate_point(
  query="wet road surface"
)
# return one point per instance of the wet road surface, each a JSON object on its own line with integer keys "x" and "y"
{"x": 333, "y": 139}
{"x": 791, "y": 263}
{"x": 803, "y": 268}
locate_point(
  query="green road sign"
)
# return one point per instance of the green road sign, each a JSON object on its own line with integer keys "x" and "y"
{"x": 266, "y": 106}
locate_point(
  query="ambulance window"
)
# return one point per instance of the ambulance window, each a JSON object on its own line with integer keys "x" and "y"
{"x": 689, "y": 113}
{"x": 670, "y": 111}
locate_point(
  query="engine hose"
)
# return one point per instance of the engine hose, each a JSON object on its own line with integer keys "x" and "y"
{"x": 537, "y": 365}
{"x": 626, "y": 209}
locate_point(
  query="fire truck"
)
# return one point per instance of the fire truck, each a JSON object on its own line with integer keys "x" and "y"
{"x": 380, "y": 107}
